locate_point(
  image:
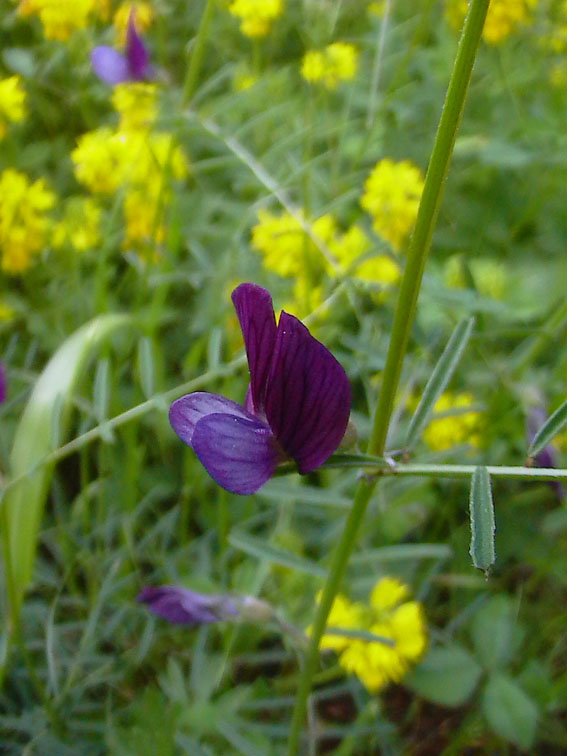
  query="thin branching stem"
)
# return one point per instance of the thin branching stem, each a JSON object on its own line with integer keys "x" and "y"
{"x": 403, "y": 319}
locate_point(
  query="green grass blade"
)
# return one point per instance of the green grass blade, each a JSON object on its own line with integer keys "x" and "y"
{"x": 40, "y": 429}
{"x": 482, "y": 520}
{"x": 439, "y": 379}
{"x": 548, "y": 430}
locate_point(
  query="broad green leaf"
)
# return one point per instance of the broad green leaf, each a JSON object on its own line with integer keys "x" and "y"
{"x": 447, "y": 676}
{"x": 41, "y": 427}
{"x": 495, "y": 632}
{"x": 263, "y": 550}
{"x": 439, "y": 379}
{"x": 509, "y": 711}
{"x": 482, "y": 520}
{"x": 548, "y": 430}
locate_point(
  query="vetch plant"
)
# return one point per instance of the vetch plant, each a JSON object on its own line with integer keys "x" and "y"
{"x": 297, "y": 406}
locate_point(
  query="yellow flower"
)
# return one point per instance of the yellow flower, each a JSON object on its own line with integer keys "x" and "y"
{"x": 143, "y": 17}
{"x": 144, "y": 229}
{"x": 352, "y": 246}
{"x": 377, "y": 9}
{"x": 504, "y": 17}
{"x": 60, "y": 18}
{"x": 12, "y": 102}
{"x": 285, "y": 247}
{"x": 489, "y": 276}
{"x": 459, "y": 424}
{"x": 136, "y": 104}
{"x": 391, "y": 196}
{"x": 7, "y": 313}
{"x": 23, "y": 219}
{"x": 243, "y": 80}
{"x": 80, "y": 226}
{"x": 256, "y": 16}
{"x": 337, "y": 62}
{"x": 391, "y": 616}
{"x": 98, "y": 160}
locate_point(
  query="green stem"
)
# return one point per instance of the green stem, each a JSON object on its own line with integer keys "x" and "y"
{"x": 196, "y": 60}
{"x": 403, "y": 319}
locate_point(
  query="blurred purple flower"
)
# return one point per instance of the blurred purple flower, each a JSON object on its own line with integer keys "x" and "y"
{"x": 297, "y": 405}
{"x": 547, "y": 457}
{"x": 2, "y": 383}
{"x": 184, "y": 607}
{"x": 114, "y": 68}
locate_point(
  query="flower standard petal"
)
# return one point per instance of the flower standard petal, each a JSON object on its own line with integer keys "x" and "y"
{"x": 255, "y": 311}
{"x": 307, "y": 397}
{"x": 184, "y": 607}
{"x": 240, "y": 453}
{"x": 136, "y": 52}
{"x": 186, "y": 412}
{"x": 109, "y": 65}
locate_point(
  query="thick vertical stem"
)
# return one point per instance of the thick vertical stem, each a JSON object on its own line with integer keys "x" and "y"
{"x": 403, "y": 319}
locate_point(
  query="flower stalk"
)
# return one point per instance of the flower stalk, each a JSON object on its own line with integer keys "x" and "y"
{"x": 403, "y": 319}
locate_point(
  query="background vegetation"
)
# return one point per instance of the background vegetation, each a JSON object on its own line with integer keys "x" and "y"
{"x": 127, "y": 216}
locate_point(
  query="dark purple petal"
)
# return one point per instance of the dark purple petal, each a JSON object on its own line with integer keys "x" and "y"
{"x": 184, "y": 607}
{"x": 109, "y": 65}
{"x": 255, "y": 312}
{"x": 136, "y": 52}
{"x": 2, "y": 384}
{"x": 186, "y": 412}
{"x": 307, "y": 397}
{"x": 240, "y": 453}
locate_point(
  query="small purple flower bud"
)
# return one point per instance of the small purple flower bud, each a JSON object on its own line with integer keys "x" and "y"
{"x": 547, "y": 457}
{"x": 181, "y": 606}
{"x": 114, "y": 68}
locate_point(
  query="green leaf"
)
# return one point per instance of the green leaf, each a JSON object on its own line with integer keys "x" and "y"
{"x": 548, "y": 430}
{"x": 41, "y": 428}
{"x": 439, "y": 379}
{"x": 509, "y": 711}
{"x": 482, "y": 520}
{"x": 258, "y": 548}
{"x": 447, "y": 676}
{"x": 495, "y": 632}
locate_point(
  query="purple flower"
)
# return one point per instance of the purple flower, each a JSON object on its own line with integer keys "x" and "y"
{"x": 2, "y": 384}
{"x": 114, "y": 68}
{"x": 297, "y": 405}
{"x": 184, "y": 607}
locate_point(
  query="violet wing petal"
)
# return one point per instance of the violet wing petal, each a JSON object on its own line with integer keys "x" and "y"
{"x": 136, "y": 52}
{"x": 239, "y": 453}
{"x": 186, "y": 412}
{"x": 184, "y": 607}
{"x": 109, "y": 65}
{"x": 308, "y": 396}
{"x": 255, "y": 311}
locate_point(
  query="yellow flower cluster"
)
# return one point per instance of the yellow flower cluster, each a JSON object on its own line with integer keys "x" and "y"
{"x": 353, "y": 246}
{"x": 12, "y": 102}
{"x": 60, "y": 18}
{"x": 391, "y": 616}
{"x": 337, "y": 62}
{"x": 80, "y": 226}
{"x": 135, "y": 159}
{"x": 391, "y": 196}
{"x": 459, "y": 424}
{"x": 136, "y": 105}
{"x": 23, "y": 220}
{"x": 143, "y": 17}
{"x": 256, "y": 16}
{"x": 286, "y": 248}
{"x": 504, "y": 17}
